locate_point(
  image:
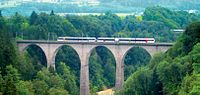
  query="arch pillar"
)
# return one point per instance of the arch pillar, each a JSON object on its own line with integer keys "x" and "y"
{"x": 49, "y": 51}
{"x": 119, "y": 80}
{"x": 84, "y": 53}
{"x": 119, "y": 52}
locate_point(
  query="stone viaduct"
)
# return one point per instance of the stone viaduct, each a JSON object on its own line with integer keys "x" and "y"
{"x": 84, "y": 49}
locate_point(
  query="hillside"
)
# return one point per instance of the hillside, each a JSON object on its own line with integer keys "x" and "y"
{"x": 25, "y": 7}
{"x": 176, "y": 72}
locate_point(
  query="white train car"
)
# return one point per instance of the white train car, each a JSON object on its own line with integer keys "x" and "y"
{"x": 145, "y": 40}
{"x": 104, "y": 39}
{"x": 136, "y": 40}
{"x": 77, "y": 39}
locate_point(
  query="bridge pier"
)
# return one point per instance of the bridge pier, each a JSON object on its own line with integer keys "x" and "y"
{"x": 119, "y": 81}
{"x": 84, "y": 78}
{"x": 84, "y": 53}
{"x": 119, "y": 73}
{"x": 49, "y": 51}
{"x": 119, "y": 52}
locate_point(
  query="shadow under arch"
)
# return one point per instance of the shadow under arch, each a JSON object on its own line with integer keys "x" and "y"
{"x": 102, "y": 68}
{"x": 134, "y": 58}
{"x": 68, "y": 55}
{"x": 34, "y": 49}
{"x": 69, "y": 49}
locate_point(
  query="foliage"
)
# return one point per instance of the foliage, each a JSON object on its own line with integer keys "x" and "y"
{"x": 135, "y": 58}
{"x": 175, "y": 72}
{"x": 69, "y": 77}
{"x": 191, "y": 36}
{"x": 170, "y": 75}
{"x": 139, "y": 83}
{"x": 190, "y": 84}
{"x": 25, "y": 88}
{"x": 65, "y": 54}
{"x": 97, "y": 78}
{"x": 170, "y": 18}
{"x": 8, "y": 54}
{"x": 40, "y": 87}
{"x": 48, "y": 27}
{"x": 9, "y": 80}
{"x": 57, "y": 91}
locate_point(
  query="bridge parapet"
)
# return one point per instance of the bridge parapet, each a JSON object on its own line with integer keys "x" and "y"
{"x": 93, "y": 43}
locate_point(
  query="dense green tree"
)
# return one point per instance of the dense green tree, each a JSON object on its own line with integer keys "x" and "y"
{"x": 88, "y": 25}
{"x": 57, "y": 91}
{"x": 2, "y": 22}
{"x": 156, "y": 84}
{"x": 100, "y": 63}
{"x": 10, "y": 79}
{"x": 112, "y": 23}
{"x": 1, "y": 84}
{"x": 17, "y": 24}
{"x": 9, "y": 86}
{"x": 12, "y": 72}
{"x": 50, "y": 79}
{"x": 108, "y": 65}
{"x": 173, "y": 19}
{"x": 0, "y": 14}
{"x": 135, "y": 58}
{"x": 95, "y": 73}
{"x": 171, "y": 75}
{"x": 8, "y": 54}
{"x": 190, "y": 84}
{"x": 40, "y": 87}
{"x": 26, "y": 67}
{"x": 157, "y": 58}
{"x": 24, "y": 88}
{"x": 52, "y": 13}
{"x": 191, "y": 36}
{"x": 69, "y": 77}
{"x": 33, "y": 18}
{"x": 36, "y": 32}
{"x": 139, "y": 83}
{"x": 66, "y": 54}
{"x": 38, "y": 58}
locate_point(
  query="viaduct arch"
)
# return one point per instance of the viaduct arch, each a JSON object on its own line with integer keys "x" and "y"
{"x": 84, "y": 49}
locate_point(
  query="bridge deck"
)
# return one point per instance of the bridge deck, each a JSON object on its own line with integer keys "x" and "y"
{"x": 93, "y": 43}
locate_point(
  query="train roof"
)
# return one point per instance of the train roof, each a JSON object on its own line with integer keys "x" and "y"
{"x": 106, "y": 38}
{"x": 78, "y": 37}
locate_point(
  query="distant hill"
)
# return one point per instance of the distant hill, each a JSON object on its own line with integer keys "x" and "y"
{"x": 25, "y": 7}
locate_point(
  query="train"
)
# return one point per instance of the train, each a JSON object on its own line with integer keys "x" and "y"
{"x": 77, "y": 39}
{"x": 106, "y": 39}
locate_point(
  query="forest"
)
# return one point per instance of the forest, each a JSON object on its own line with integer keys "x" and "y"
{"x": 174, "y": 72}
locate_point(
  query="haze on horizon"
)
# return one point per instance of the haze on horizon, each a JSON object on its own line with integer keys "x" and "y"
{"x": 25, "y": 7}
